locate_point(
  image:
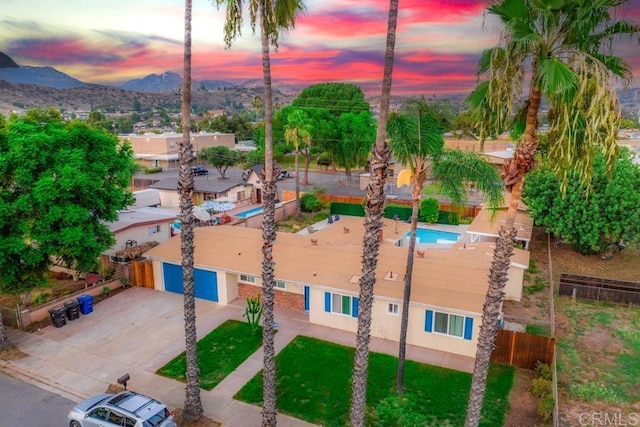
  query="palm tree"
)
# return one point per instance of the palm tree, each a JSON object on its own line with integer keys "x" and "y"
{"x": 4, "y": 339}
{"x": 374, "y": 210}
{"x": 416, "y": 141}
{"x": 273, "y": 17}
{"x": 296, "y": 130}
{"x": 567, "y": 46}
{"x": 256, "y": 103}
{"x": 192, "y": 403}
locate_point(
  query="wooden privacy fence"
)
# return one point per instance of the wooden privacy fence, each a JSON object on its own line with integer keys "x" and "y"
{"x": 599, "y": 289}
{"x": 522, "y": 350}
{"x": 142, "y": 273}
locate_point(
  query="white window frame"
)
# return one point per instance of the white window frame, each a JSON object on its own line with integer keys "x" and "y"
{"x": 393, "y": 308}
{"x": 154, "y": 229}
{"x": 449, "y": 325}
{"x": 337, "y": 304}
{"x": 280, "y": 284}
{"x": 247, "y": 278}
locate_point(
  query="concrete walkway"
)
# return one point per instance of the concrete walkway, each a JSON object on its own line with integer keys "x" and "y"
{"x": 140, "y": 330}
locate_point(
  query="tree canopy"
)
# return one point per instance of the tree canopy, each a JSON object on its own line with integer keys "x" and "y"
{"x": 221, "y": 158}
{"x": 592, "y": 221}
{"x": 60, "y": 183}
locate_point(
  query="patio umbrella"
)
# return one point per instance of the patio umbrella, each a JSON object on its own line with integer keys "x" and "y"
{"x": 201, "y": 214}
{"x": 214, "y": 205}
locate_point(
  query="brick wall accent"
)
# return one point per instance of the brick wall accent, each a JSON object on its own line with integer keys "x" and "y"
{"x": 283, "y": 298}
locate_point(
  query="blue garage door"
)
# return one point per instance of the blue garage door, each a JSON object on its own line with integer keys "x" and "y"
{"x": 206, "y": 282}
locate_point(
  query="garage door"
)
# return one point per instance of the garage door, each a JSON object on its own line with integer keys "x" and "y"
{"x": 206, "y": 282}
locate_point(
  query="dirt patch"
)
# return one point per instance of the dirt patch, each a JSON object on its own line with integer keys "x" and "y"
{"x": 12, "y": 353}
{"x": 524, "y": 405}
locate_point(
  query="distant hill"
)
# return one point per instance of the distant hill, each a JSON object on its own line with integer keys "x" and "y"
{"x": 6, "y": 62}
{"x": 165, "y": 82}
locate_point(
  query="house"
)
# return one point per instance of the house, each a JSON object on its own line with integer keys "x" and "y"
{"x": 319, "y": 275}
{"x": 487, "y": 223}
{"x": 252, "y": 177}
{"x": 140, "y": 225}
{"x": 161, "y": 150}
{"x": 206, "y": 187}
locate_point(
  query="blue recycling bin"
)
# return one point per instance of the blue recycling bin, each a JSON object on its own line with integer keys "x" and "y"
{"x": 86, "y": 303}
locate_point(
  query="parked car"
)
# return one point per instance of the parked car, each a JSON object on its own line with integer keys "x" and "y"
{"x": 199, "y": 170}
{"x": 127, "y": 408}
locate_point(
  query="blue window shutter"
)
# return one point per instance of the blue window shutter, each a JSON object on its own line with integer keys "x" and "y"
{"x": 355, "y": 302}
{"x": 428, "y": 323}
{"x": 327, "y": 302}
{"x": 468, "y": 327}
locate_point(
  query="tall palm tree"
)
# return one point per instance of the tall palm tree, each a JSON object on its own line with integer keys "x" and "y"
{"x": 298, "y": 130}
{"x": 4, "y": 339}
{"x": 567, "y": 46}
{"x": 192, "y": 403}
{"x": 417, "y": 141}
{"x": 273, "y": 16}
{"x": 374, "y": 210}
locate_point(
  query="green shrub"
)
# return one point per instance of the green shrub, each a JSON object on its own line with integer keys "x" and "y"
{"x": 545, "y": 407}
{"x": 41, "y": 298}
{"x": 106, "y": 290}
{"x": 543, "y": 370}
{"x": 397, "y": 411}
{"x": 541, "y": 387}
{"x": 533, "y": 266}
{"x": 152, "y": 170}
{"x": 309, "y": 202}
{"x": 429, "y": 210}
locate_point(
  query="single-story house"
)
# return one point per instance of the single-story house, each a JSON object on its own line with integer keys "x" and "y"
{"x": 487, "y": 224}
{"x": 141, "y": 225}
{"x": 206, "y": 187}
{"x": 319, "y": 274}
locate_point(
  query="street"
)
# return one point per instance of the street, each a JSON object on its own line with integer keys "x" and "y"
{"x": 23, "y": 404}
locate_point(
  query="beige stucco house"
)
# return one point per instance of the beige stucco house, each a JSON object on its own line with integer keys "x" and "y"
{"x": 161, "y": 150}
{"x": 318, "y": 274}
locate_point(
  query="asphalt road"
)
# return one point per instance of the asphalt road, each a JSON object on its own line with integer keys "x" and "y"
{"x": 25, "y": 405}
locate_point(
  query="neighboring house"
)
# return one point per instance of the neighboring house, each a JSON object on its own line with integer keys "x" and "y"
{"x": 252, "y": 177}
{"x": 487, "y": 223}
{"x": 141, "y": 225}
{"x": 206, "y": 187}
{"x": 319, "y": 274}
{"x": 161, "y": 150}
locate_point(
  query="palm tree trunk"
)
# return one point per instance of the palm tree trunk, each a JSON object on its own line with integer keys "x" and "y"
{"x": 298, "y": 207}
{"x": 406, "y": 297}
{"x": 192, "y": 404}
{"x": 4, "y": 339}
{"x": 498, "y": 277}
{"x": 269, "y": 236}
{"x": 307, "y": 161}
{"x": 375, "y": 204}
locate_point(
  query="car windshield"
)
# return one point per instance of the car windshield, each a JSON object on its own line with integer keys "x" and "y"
{"x": 157, "y": 419}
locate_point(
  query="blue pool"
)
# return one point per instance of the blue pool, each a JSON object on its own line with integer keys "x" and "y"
{"x": 250, "y": 212}
{"x": 425, "y": 235}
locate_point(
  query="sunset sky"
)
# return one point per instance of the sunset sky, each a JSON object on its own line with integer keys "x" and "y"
{"x": 112, "y": 41}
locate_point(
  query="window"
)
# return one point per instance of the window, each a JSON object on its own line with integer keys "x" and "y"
{"x": 247, "y": 278}
{"x": 449, "y": 324}
{"x": 392, "y": 308}
{"x": 115, "y": 418}
{"x": 153, "y": 230}
{"x": 341, "y": 304}
{"x": 99, "y": 414}
{"x": 280, "y": 284}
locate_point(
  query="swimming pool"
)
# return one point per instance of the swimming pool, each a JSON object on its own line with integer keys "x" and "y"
{"x": 425, "y": 235}
{"x": 250, "y": 212}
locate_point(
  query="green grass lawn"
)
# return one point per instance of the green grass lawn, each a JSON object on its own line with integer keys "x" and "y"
{"x": 314, "y": 384}
{"x": 219, "y": 353}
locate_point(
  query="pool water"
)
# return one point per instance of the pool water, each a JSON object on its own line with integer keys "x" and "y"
{"x": 425, "y": 235}
{"x": 250, "y": 212}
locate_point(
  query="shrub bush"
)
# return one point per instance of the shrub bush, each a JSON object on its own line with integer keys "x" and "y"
{"x": 152, "y": 170}
{"x": 309, "y": 202}
{"x": 545, "y": 407}
{"x": 543, "y": 370}
{"x": 541, "y": 387}
{"x": 429, "y": 210}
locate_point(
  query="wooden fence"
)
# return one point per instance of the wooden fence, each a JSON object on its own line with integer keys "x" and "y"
{"x": 599, "y": 289}
{"x": 522, "y": 350}
{"x": 142, "y": 273}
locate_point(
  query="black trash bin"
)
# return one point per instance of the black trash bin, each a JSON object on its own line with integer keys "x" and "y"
{"x": 72, "y": 309}
{"x": 58, "y": 317}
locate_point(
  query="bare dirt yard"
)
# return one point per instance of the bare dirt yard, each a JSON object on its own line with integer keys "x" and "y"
{"x": 598, "y": 344}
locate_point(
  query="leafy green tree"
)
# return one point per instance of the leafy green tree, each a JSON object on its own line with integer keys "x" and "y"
{"x": 257, "y": 103}
{"x": 416, "y": 141}
{"x": 298, "y": 130}
{"x": 561, "y": 50}
{"x": 192, "y": 402}
{"x": 429, "y": 209}
{"x": 273, "y": 16}
{"x": 594, "y": 219}
{"x": 356, "y": 134}
{"x": 61, "y": 181}
{"x": 237, "y": 124}
{"x": 375, "y": 202}
{"x": 221, "y": 158}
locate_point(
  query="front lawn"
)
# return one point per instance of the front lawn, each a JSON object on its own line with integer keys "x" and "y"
{"x": 314, "y": 384}
{"x": 219, "y": 353}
